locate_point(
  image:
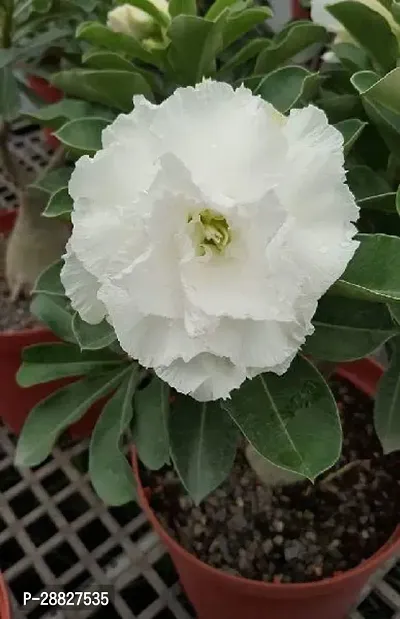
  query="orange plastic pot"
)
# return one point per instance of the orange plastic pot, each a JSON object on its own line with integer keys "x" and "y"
{"x": 4, "y": 600}
{"x": 218, "y": 595}
{"x": 49, "y": 94}
{"x": 15, "y": 401}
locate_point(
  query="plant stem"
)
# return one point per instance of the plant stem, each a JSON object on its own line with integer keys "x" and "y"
{"x": 8, "y": 23}
{"x": 342, "y": 471}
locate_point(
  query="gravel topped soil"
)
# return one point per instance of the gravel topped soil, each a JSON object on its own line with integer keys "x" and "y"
{"x": 297, "y": 533}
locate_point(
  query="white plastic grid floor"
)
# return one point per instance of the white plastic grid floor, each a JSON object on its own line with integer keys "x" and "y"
{"x": 54, "y": 530}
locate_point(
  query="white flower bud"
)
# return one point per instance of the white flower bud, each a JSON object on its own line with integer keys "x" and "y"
{"x": 131, "y": 20}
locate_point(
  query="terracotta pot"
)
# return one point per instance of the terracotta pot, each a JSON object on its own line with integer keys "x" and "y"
{"x": 4, "y": 601}
{"x": 298, "y": 12}
{"x": 218, "y": 595}
{"x": 15, "y": 401}
{"x": 49, "y": 94}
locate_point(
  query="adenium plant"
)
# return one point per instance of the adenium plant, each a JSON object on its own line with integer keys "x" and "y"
{"x": 235, "y": 236}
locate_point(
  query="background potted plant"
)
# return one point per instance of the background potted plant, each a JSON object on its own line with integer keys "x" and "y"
{"x": 188, "y": 388}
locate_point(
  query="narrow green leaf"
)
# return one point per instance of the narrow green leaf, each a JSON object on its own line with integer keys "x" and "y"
{"x": 82, "y": 135}
{"x": 291, "y": 420}
{"x": 109, "y": 87}
{"x": 387, "y": 403}
{"x": 360, "y": 21}
{"x": 203, "y": 442}
{"x": 184, "y": 7}
{"x": 9, "y": 95}
{"x": 50, "y": 417}
{"x": 339, "y": 107}
{"x": 293, "y": 39}
{"x": 287, "y": 87}
{"x": 161, "y": 17}
{"x": 33, "y": 48}
{"x": 99, "y": 35}
{"x": 348, "y": 329}
{"x": 150, "y": 431}
{"x": 49, "y": 281}
{"x": 374, "y": 271}
{"x": 110, "y": 473}
{"x": 239, "y": 23}
{"x": 55, "y": 312}
{"x": 396, "y": 11}
{"x": 351, "y": 130}
{"x": 43, "y": 363}
{"x": 42, "y": 6}
{"x": 244, "y": 54}
{"x": 92, "y": 337}
{"x": 60, "y": 203}
{"x": 195, "y": 43}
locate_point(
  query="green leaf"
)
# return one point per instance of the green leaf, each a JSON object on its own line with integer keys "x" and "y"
{"x": 288, "y": 87}
{"x": 203, "y": 442}
{"x": 396, "y": 11}
{"x": 50, "y": 417}
{"x": 56, "y": 114}
{"x": 43, "y": 363}
{"x": 398, "y": 200}
{"x": 110, "y": 473}
{"x": 360, "y": 21}
{"x": 150, "y": 430}
{"x": 351, "y": 130}
{"x": 82, "y": 135}
{"x": 52, "y": 181}
{"x": 348, "y": 329}
{"x": 293, "y": 39}
{"x": 217, "y": 8}
{"x": 55, "y": 312}
{"x": 385, "y": 202}
{"x": 374, "y": 271}
{"x": 99, "y": 35}
{"x": 60, "y": 203}
{"x": 107, "y": 60}
{"x": 92, "y": 337}
{"x": 195, "y": 43}
{"x": 33, "y": 49}
{"x": 351, "y": 56}
{"x": 381, "y": 100}
{"x": 365, "y": 183}
{"x": 387, "y": 403}
{"x": 244, "y": 54}
{"x": 238, "y": 24}
{"x": 185, "y": 7}
{"x": 9, "y": 95}
{"x": 112, "y": 88}
{"x": 339, "y": 107}
{"x": 291, "y": 420}
{"x": 42, "y": 6}
{"x": 49, "y": 281}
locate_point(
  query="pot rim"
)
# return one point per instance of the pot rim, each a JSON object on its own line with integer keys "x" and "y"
{"x": 350, "y": 371}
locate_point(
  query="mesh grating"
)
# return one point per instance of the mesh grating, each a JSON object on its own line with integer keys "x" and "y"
{"x": 54, "y": 530}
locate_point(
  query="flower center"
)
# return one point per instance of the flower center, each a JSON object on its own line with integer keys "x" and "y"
{"x": 211, "y": 231}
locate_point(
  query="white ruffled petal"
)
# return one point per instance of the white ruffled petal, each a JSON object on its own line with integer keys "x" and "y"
{"x": 82, "y": 288}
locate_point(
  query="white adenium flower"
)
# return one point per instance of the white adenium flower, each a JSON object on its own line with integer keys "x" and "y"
{"x": 206, "y": 230}
{"x": 320, "y": 15}
{"x": 131, "y": 20}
